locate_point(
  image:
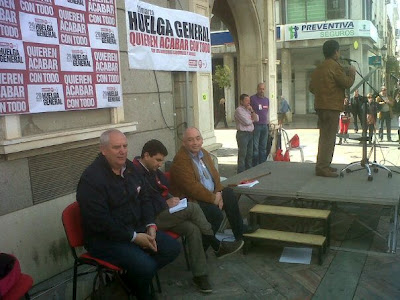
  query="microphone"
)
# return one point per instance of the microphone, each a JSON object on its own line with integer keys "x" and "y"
{"x": 347, "y": 59}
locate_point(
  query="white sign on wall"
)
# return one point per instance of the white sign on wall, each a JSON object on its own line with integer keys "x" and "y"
{"x": 330, "y": 29}
{"x": 58, "y": 55}
{"x": 167, "y": 39}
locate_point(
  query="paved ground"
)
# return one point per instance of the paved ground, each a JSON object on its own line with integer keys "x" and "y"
{"x": 364, "y": 271}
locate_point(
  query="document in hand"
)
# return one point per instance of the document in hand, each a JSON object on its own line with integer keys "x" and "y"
{"x": 248, "y": 184}
{"x": 182, "y": 205}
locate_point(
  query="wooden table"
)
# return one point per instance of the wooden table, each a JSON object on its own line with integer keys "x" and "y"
{"x": 298, "y": 181}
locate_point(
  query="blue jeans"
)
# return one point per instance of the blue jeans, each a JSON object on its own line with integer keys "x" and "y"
{"x": 385, "y": 118}
{"x": 260, "y": 138}
{"x": 140, "y": 265}
{"x": 245, "y": 150}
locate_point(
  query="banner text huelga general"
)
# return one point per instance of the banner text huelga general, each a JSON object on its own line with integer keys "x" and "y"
{"x": 152, "y": 25}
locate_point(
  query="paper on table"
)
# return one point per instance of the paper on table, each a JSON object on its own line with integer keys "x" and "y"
{"x": 180, "y": 206}
{"x": 249, "y": 184}
{"x": 296, "y": 255}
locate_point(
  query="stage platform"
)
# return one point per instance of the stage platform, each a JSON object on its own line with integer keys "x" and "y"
{"x": 298, "y": 181}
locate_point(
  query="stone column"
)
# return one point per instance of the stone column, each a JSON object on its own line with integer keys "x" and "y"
{"x": 230, "y": 104}
{"x": 270, "y": 70}
{"x": 286, "y": 67}
{"x": 203, "y": 110}
{"x": 301, "y": 91}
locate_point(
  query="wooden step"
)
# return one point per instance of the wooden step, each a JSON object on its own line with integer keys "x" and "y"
{"x": 291, "y": 211}
{"x": 291, "y": 237}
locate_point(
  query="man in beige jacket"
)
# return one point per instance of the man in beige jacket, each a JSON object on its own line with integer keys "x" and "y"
{"x": 328, "y": 83}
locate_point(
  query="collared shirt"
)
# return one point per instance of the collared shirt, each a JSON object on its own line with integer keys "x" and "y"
{"x": 384, "y": 107}
{"x": 205, "y": 175}
{"x": 284, "y": 106}
{"x": 261, "y": 108}
{"x": 243, "y": 119}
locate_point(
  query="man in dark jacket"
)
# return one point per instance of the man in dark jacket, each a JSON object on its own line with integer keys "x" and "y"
{"x": 356, "y": 109}
{"x": 328, "y": 83}
{"x": 189, "y": 222}
{"x": 118, "y": 219}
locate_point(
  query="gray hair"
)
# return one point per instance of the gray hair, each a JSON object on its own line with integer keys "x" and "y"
{"x": 260, "y": 84}
{"x": 105, "y": 136}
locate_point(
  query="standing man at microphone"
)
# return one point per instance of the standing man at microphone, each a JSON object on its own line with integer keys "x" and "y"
{"x": 328, "y": 83}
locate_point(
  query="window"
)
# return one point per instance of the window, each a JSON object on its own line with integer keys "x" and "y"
{"x": 299, "y": 11}
{"x": 368, "y": 10}
{"x": 336, "y": 9}
{"x": 315, "y": 10}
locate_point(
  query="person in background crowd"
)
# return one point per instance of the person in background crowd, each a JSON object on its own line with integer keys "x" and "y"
{"x": 244, "y": 118}
{"x": 372, "y": 109}
{"x": 398, "y": 131}
{"x": 356, "y": 109}
{"x": 260, "y": 105}
{"x": 386, "y": 104}
{"x": 344, "y": 121}
{"x": 189, "y": 222}
{"x": 221, "y": 113}
{"x": 328, "y": 83}
{"x": 118, "y": 219}
{"x": 284, "y": 108}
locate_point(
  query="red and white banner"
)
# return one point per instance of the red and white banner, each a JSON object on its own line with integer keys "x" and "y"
{"x": 58, "y": 55}
{"x": 167, "y": 39}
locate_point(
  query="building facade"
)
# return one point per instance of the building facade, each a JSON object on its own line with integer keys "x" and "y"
{"x": 42, "y": 155}
{"x": 363, "y": 28}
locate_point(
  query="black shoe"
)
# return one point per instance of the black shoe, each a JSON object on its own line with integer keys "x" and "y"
{"x": 250, "y": 228}
{"x": 202, "y": 283}
{"x": 228, "y": 248}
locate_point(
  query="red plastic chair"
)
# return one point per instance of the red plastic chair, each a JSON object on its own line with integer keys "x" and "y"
{"x": 71, "y": 218}
{"x": 20, "y": 288}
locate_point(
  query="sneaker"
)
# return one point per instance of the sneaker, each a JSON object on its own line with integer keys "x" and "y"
{"x": 228, "y": 248}
{"x": 202, "y": 283}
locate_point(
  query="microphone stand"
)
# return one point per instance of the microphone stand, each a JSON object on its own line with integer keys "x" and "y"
{"x": 365, "y": 163}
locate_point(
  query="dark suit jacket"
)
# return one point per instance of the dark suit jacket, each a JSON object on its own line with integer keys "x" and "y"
{"x": 112, "y": 207}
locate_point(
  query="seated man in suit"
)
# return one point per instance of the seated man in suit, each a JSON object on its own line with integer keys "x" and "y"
{"x": 194, "y": 176}
{"x": 189, "y": 222}
{"x": 118, "y": 219}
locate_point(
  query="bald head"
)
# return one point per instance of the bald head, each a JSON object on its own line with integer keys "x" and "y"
{"x": 192, "y": 140}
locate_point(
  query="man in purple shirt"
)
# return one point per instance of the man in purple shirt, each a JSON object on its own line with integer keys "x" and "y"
{"x": 260, "y": 105}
